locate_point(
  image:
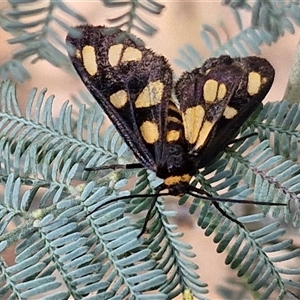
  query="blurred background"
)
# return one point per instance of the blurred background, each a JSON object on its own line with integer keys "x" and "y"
{"x": 179, "y": 23}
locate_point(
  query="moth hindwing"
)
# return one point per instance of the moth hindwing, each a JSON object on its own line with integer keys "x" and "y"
{"x": 134, "y": 87}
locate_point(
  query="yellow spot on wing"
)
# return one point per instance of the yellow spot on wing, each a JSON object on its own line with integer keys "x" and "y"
{"x": 131, "y": 54}
{"x": 78, "y": 54}
{"x": 254, "y": 83}
{"x": 221, "y": 91}
{"x": 114, "y": 54}
{"x": 89, "y": 59}
{"x": 118, "y": 99}
{"x": 203, "y": 134}
{"x": 150, "y": 95}
{"x": 210, "y": 90}
{"x": 229, "y": 112}
{"x": 149, "y": 132}
{"x": 117, "y": 55}
{"x": 173, "y": 135}
{"x": 192, "y": 121}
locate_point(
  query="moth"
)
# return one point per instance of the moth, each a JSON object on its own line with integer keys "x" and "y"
{"x": 135, "y": 86}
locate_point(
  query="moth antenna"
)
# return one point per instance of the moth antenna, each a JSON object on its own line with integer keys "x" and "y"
{"x": 208, "y": 197}
{"x": 114, "y": 167}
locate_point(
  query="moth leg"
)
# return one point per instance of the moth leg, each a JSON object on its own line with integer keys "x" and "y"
{"x": 152, "y": 204}
{"x": 242, "y": 138}
{"x": 114, "y": 167}
{"x": 224, "y": 213}
{"x": 148, "y": 216}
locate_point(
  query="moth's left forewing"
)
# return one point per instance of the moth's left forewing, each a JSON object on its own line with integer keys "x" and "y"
{"x": 256, "y": 80}
{"x": 204, "y": 98}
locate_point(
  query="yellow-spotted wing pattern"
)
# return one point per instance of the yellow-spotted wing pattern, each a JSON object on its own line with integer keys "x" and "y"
{"x": 134, "y": 87}
{"x": 131, "y": 83}
{"x": 220, "y": 120}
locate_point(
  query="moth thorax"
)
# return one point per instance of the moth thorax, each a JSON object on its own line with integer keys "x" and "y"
{"x": 174, "y": 159}
{"x": 176, "y": 169}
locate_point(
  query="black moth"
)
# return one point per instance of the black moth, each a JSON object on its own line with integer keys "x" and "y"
{"x": 134, "y": 87}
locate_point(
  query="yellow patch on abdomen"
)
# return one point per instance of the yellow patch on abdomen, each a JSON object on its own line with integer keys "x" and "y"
{"x": 173, "y": 180}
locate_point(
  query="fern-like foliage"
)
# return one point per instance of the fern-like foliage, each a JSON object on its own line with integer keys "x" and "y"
{"x": 61, "y": 232}
{"x": 38, "y": 38}
{"x": 132, "y": 17}
{"x": 98, "y": 254}
{"x": 65, "y": 249}
{"x": 282, "y": 121}
{"x": 269, "y": 21}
